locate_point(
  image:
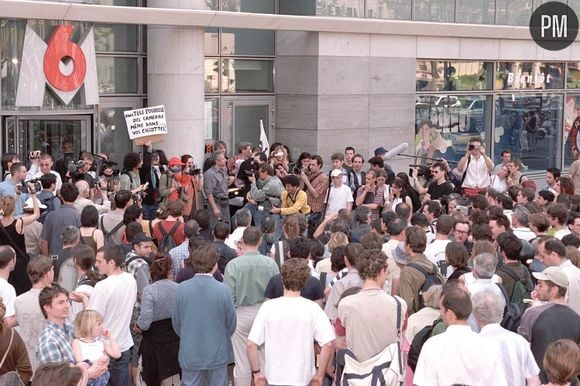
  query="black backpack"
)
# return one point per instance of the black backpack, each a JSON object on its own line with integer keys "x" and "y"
{"x": 418, "y": 342}
{"x": 512, "y": 315}
{"x": 167, "y": 242}
{"x": 431, "y": 278}
{"x": 522, "y": 287}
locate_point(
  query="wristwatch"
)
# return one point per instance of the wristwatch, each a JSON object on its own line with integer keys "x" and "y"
{"x": 255, "y": 371}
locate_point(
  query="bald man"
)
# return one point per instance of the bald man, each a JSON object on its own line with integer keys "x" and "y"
{"x": 84, "y": 198}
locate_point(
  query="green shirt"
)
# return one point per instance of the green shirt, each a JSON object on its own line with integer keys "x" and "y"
{"x": 247, "y": 276}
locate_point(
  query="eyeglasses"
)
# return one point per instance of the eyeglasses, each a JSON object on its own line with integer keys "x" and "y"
{"x": 462, "y": 232}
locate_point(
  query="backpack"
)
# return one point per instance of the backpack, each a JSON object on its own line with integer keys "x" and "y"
{"x": 512, "y": 316}
{"x": 167, "y": 242}
{"x": 418, "y": 341}
{"x": 385, "y": 368}
{"x": 49, "y": 202}
{"x": 109, "y": 235}
{"x": 431, "y": 278}
{"x": 522, "y": 287}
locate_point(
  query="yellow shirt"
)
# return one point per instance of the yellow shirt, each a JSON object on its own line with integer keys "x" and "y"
{"x": 294, "y": 205}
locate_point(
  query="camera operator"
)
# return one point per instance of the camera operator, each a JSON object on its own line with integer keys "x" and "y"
{"x": 170, "y": 185}
{"x": 13, "y": 187}
{"x": 250, "y": 168}
{"x": 192, "y": 183}
{"x": 41, "y": 165}
{"x": 81, "y": 170}
{"x": 88, "y": 196}
{"x": 264, "y": 193}
{"x": 150, "y": 173}
{"x": 476, "y": 167}
{"x": 439, "y": 185}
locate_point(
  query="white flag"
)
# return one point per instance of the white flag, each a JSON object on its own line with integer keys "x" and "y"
{"x": 264, "y": 144}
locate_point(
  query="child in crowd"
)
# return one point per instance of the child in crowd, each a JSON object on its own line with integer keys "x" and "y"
{"x": 88, "y": 344}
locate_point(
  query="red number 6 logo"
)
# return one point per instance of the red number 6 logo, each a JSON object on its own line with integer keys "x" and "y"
{"x": 60, "y": 47}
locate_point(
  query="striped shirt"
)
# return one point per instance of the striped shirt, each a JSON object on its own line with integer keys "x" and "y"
{"x": 320, "y": 184}
{"x": 55, "y": 344}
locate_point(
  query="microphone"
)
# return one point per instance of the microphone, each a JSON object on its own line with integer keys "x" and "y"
{"x": 396, "y": 150}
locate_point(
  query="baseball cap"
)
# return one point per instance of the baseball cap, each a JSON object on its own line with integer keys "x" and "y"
{"x": 380, "y": 151}
{"x": 140, "y": 238}
{"x": 336, "y": 173}
{"x": 175, "y": 161}
{"x": 553, "y": 274}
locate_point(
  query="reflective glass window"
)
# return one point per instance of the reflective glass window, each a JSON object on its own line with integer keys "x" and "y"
{"x": 211, "y": 76}
{"x": 435, "y": 10}
{"x": 297, "y": 7}
{"x": 389, "y": 9}
{"x": 571, "y": 127}
{"x": 344, "y": 8}
{"x": 247, "y": 76}
{"x": 247, "y": 42}
{"x": 211, "y": 118}
{"x": 475, "y": 11}
{"x": 116, "y": 37}
{"x": 211, "y": 42}
{"x": 435, "y": 75}
{"x": 573, "y": 75}
{"x": 253, "y": 6}
{"x": 444, "y": 123}
{"x": 529, "y": 76}
{"x": 117, "y": 75}
{"x": 513, "y": 12}
{"x": 530, "y": 126}
{"x": 112, "y": 135}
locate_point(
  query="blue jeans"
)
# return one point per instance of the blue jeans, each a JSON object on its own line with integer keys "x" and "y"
{"x": 119, "y": 369}
{"x": 215, "y": 377}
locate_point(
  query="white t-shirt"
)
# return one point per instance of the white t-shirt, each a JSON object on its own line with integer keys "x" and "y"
{"x": 77, "y": 307}
{"x": 31, "y": 322}
{"x": 458, "y": 356}
{"x": 288, "y": 326}
{"x": 8, "y": 295}
{"x": 92, "y": 351}
{"x": 338, "y": 198}
{"x": 114, "y": 298}
{"x": 435, "y": 251}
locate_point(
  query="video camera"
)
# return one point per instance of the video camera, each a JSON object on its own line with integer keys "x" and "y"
{"x": 422, "y": 171}
{"x": 35, "y": 183}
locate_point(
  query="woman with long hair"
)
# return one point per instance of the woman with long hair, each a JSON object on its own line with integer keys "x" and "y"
{"x": 564, "y": 185}
{"x": 411, "y": 192}
{"x": 160, "y": 345}
{"x": 279, "y": 161}
{"x": 12, "y": 233}
{"x": 398, "y": 195}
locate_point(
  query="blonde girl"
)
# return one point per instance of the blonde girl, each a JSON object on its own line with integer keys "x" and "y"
{"x": 92, "y": 342}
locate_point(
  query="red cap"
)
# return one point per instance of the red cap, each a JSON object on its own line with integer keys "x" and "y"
{"x": 175, "y": 161}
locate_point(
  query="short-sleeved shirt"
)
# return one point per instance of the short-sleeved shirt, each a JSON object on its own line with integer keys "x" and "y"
{"x": 436, "y": 191}
{"x": 8, "y": 295}
{"x": 288, "y": 326}
{"x": 338, "y": 198}
{"x": 54, "y": 224}
{"x": 215, "y": 182}
{"x": 376, "y": 197}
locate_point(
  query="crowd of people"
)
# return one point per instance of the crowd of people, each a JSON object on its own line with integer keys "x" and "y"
{"x": 291, "y": 273}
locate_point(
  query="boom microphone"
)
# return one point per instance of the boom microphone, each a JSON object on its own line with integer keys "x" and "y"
{"x": 396, "y": 150}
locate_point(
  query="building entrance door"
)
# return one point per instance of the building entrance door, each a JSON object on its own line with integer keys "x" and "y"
{"x": 241, "y": 120}
{"x": 55, "y": 135}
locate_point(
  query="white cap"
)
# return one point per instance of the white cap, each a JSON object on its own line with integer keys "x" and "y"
{"x": 336, "y": 173}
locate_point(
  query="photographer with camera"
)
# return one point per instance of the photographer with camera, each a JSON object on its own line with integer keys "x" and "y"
{"x": 438, "y": 187}
{"x": 82, "y": 169}
{"x": 170, "y": 184}
{"x": 13, "y": 187}
{"x": 191, "y": 182}
{"x": 88, "y": 196}
{"x": 476, "y": 167}
{"x": 264, "y": 193}
{"x": 250, "y": 168}
{"x": 41, "y": 165}
{"x": 130, "y": 178}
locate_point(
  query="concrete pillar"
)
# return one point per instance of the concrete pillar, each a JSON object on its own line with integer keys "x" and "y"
{"x": 175, "y": 77}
